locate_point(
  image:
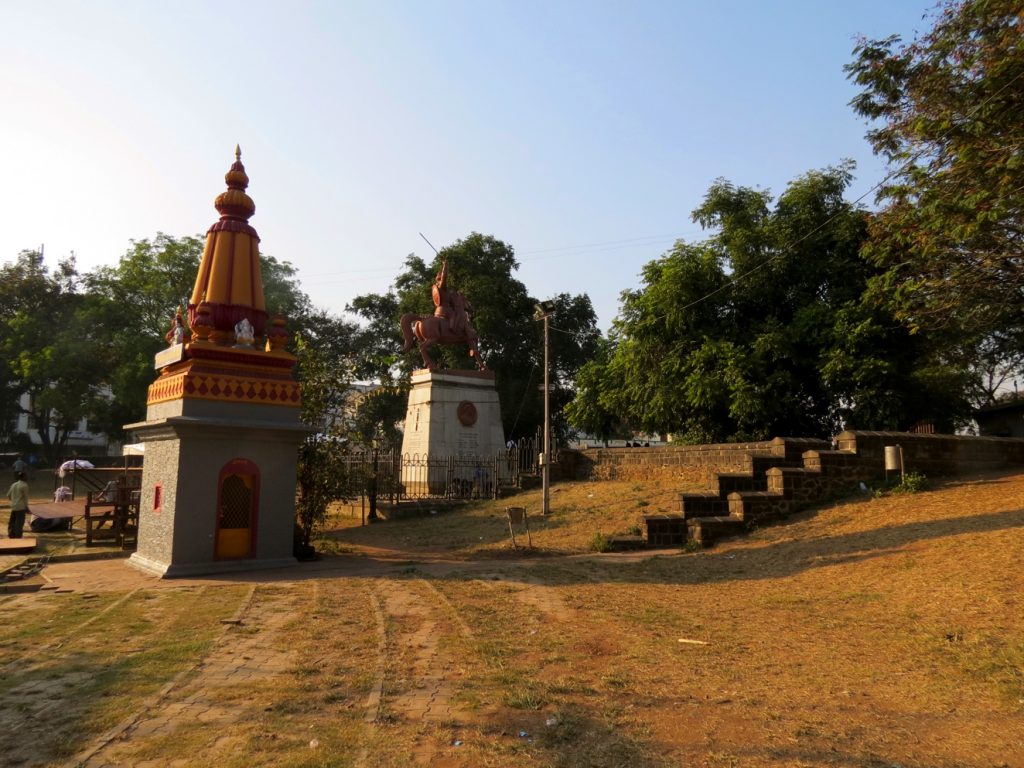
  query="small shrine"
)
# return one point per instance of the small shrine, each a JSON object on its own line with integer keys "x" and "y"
{"x": 222, "y": 419}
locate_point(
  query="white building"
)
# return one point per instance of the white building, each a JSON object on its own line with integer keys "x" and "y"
{"x": 81, "y": 440}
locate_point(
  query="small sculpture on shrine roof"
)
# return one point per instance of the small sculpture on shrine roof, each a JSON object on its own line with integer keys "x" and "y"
{"x": 278, "y": 335}
{"x": 178, "y": 334}
{"x": 244, "y": 333}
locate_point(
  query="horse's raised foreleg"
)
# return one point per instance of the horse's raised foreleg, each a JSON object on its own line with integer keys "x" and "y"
{"x": 407, "y": 323}
{"x": 428, "y": 361}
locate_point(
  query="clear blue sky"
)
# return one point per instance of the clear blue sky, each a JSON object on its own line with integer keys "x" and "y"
{"x": 581, "y": 133}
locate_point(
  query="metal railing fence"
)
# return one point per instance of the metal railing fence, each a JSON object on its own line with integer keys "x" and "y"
{"x": 396, "y": 476}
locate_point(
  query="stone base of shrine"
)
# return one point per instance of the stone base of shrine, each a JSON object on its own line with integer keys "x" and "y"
{"x": 218, "y": 492}
{"x": 183, "y": 570}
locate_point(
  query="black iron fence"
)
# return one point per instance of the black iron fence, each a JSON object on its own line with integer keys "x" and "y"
{"x": 395, "y": 476}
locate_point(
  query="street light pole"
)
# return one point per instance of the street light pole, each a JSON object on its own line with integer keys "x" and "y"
{"x": 546, "y": 467}
{"x": 544, "y": 310}
{"x": 371, "y": 486}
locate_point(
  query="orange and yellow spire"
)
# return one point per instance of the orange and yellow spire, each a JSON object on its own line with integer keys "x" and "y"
{"x": 229, "y": 280}
{"x": 218, "y": 362}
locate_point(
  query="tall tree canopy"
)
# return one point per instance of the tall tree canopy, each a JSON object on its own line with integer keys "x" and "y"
{"x": 482, "y": 267}
{"x": 132, "y": 304}
{"x": 760, "y": 330}
{"x": 49, "y": 350}
{"x": 947, "y": 112}
{"x": 83, "y": 346}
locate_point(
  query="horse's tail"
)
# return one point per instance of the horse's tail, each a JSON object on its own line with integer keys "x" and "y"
{"x": 406, "y": 322}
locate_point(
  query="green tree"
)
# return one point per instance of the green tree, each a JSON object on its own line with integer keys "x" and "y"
{"x": 482, "y": 268}
{"x": 760, "y": 330}
{"x": 321, "y": 475}
{"x": 947, "y": 112}
{"x": 149, "y": 282}
{"x": 49, "y": 352}
{"x": 378, "y": 414}
{"x": 574, "y": 340}
{"x": 133, "y": 302}
{"x": 589, "y": 410}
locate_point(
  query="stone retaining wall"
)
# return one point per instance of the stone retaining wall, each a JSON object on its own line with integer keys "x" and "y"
{"x": 934, "y": 455}
{"x": 860, "y": 456}
{"x": 687, "y": 463}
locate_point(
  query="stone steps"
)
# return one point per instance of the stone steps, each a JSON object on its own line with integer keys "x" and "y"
{"x": 795, "y": 475}
{"x": 626, "y": 543}
{"x": 800, "y": 472}
{"x": 665, "y": 530}
{"x": 707, "y": 530}
{"x": 716, "y": 502}
{"x": 702, "y": 505}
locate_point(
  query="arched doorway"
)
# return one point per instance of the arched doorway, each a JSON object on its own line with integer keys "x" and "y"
{"x": 238, "y": 492}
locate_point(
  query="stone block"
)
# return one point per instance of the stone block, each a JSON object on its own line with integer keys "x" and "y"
{"x": 665, "y": 530}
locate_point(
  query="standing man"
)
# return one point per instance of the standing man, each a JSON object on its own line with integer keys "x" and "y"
{"x": 19, "y": 466}
{"x": 18, "y": 494}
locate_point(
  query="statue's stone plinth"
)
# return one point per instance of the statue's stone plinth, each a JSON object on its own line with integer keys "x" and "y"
{"x": 452, "y": 415}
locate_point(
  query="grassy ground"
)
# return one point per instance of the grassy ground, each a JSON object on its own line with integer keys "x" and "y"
{"x": 479, "y": 529}
{"x": 870, "y": 633}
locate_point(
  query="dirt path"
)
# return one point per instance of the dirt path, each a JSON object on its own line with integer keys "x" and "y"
{"x": 419, "y": 641}
{"x": 420, "y": 666}
{"x": 213, "y": 692}
{"x": 876, "y": 632}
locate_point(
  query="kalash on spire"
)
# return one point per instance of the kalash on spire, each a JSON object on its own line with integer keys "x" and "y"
{"x": 228, "y": 353}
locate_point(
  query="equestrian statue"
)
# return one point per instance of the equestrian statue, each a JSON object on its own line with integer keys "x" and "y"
{"x": 448, "y": 325}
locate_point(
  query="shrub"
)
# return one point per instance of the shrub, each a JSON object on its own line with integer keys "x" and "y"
{"x": 912, "y": 482}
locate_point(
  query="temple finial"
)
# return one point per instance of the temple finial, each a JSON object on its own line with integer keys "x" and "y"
{"x": 235, "y": 203}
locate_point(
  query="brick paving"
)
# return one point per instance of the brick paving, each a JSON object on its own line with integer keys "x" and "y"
{"x": 212, "y": 693}
{"x": 422, "y": 618}
{"x": 418, "y": 675}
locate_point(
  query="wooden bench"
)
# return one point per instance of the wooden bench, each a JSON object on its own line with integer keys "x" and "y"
{"x": 112, "y": 517}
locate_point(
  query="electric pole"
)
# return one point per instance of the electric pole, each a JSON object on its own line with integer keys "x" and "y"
{"x": 544, "y": 311}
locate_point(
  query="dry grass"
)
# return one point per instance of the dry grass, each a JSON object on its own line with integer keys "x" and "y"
{"x": 870, "y": 633}
{"x": 479, "y": 529}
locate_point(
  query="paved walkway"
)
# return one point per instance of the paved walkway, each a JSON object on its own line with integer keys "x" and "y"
{"x": 412, "y": 617}
{"x": 204, "y": 694}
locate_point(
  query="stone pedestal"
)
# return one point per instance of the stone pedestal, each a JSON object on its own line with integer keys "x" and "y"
{"x": 218, "y": 482}
{"x": 453, "y": 422}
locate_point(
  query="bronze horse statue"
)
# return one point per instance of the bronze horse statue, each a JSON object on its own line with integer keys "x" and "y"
{"x": 448, "y": 325}
{"x": 429, "y": 330}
